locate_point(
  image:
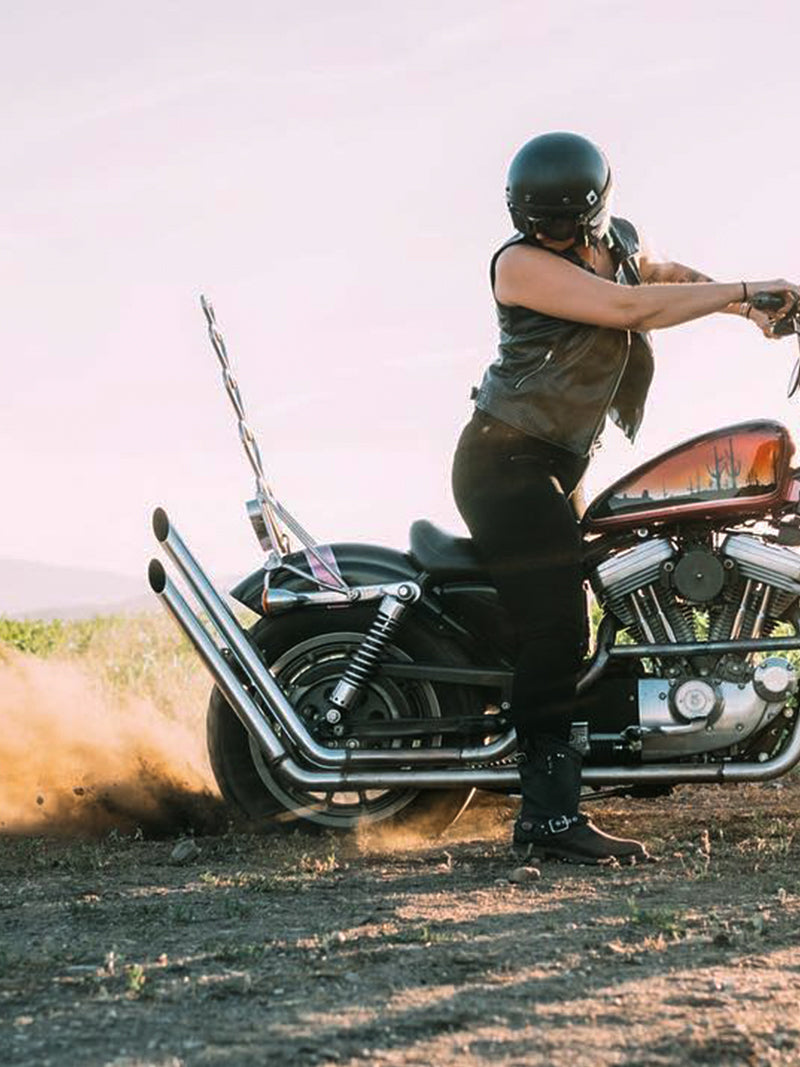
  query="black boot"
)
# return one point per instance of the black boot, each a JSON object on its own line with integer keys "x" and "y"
{"x": 549, "y": 825}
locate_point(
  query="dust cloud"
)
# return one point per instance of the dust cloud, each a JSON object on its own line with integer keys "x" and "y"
{"x": 78, "y": 759}
{"x": 487, "y": 817}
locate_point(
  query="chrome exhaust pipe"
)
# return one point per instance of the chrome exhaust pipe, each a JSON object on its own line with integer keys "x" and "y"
{"x": 258, "y": 727}
{"x": 273, "y": 696}
{"x": 250, "y": 716}
{"x": 498, "y": 778}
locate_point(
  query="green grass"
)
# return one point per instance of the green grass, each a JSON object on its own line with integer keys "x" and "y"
{"x": 666, "y": 920}
{"x": 41, "y": 638}
{"x": 141, "y": 655}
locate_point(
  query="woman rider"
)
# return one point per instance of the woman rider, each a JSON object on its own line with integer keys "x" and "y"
{"x": 576, "y": 297}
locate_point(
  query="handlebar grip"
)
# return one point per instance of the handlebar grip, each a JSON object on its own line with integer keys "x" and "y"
{"x": 767, "y": 301}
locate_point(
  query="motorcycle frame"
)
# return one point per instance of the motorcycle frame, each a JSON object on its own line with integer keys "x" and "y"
{"x": 292, "y": 753}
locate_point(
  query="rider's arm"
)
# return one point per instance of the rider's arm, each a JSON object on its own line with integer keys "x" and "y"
{"x": 655, "y": 271}
{"x": 667, "y": 272}
{"x": 535, "y": 278}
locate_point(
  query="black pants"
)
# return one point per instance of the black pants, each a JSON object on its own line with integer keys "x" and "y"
{"x": 512, "y": 491}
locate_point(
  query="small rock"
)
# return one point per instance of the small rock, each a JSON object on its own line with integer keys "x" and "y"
{"x": 185, "y": 851}
{"x": 501, "y": 881}
{"x": 524, "y": 874}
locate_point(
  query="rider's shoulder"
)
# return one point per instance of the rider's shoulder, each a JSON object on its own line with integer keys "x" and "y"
{"x": 518, "y": 248}
{"x": 625, "y": 234}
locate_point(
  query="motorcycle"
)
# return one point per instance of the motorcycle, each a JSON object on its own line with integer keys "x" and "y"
{"x": 375, "y": 684}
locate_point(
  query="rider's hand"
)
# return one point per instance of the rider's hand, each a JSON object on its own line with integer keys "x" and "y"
{"x": 763, "y": 321}
{"x": 789, "y": 304}
{"x": 788, "y": 290}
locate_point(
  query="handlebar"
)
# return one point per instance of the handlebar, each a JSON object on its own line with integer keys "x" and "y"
{"x": 767, "y": 301}
{"x": 788, "y": 323}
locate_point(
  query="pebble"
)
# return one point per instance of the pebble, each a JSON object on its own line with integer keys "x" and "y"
{"x": 520, "y": 875}
{"x": 185, "y": 851}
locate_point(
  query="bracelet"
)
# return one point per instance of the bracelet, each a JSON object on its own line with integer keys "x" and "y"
{"x": 744, "y": 293}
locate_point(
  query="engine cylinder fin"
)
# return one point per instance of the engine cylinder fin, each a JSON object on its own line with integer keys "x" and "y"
{"x": 721, "y": 621}
{"x": 640, "y": 606}
{"x": 681, "y": 618}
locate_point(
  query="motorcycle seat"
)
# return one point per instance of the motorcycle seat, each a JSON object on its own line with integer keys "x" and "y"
{"x": 442, "y": 555}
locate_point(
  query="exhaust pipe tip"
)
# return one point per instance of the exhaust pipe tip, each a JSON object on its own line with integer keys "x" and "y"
{"x": 157, "y": 576}
{"x": 160, "y": 524}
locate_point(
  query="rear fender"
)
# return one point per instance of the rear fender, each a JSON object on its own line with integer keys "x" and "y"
{"x": 466, "y": 612}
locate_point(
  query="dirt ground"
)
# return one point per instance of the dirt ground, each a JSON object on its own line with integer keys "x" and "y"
{"x": 295, "y": 948}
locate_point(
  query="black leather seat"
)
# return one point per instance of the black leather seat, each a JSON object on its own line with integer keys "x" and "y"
{"x": 442, "y": 555}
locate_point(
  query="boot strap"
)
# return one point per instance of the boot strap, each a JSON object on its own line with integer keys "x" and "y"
{"x": 558, "y": 825}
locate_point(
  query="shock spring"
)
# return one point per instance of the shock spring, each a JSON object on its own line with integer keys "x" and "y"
{"x": 368, "y": 655}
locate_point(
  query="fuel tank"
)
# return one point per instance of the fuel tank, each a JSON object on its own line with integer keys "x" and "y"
{"x": 740, "y": 470}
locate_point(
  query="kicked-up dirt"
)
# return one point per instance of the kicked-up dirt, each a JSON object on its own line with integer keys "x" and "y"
{"x": 295, "y": 948}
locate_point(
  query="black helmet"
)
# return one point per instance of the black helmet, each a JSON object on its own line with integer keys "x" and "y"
{"x": 559, "y": 185}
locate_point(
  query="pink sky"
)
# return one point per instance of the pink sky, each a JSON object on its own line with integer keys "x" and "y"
{"x": 331, "y": 175}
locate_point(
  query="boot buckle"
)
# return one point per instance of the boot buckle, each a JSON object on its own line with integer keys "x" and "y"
{"x": 559, "y": 825}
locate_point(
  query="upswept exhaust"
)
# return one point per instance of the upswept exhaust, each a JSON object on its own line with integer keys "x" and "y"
{"x": 274, "y": 697}
{"x": 276, "y": 754}
{"x": 361, "y": 769}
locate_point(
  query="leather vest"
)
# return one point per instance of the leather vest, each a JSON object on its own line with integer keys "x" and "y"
{"x": 558, "y": 380}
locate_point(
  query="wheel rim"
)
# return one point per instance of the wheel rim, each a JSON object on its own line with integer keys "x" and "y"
{"x": 307, "y": 673}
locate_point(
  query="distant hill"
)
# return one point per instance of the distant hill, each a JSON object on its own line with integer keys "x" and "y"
{"x": 42, "y": 590}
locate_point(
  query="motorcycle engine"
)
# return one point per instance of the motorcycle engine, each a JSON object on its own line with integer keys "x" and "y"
{"x": 664, "y": 591}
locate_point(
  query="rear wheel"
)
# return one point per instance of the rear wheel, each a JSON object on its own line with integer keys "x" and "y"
{"x": 307, "y": 653}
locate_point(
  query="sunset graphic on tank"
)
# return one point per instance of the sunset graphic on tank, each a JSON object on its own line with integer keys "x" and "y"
{"x": 718, "y": 467}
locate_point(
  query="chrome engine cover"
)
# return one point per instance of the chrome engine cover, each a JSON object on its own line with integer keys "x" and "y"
{"x": 777, "y": 566}
{"x": 691, "y": 716}
{"x": 630, "y": 569}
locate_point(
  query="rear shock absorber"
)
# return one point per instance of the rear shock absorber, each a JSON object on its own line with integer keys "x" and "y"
{"x": 368, "y": 655}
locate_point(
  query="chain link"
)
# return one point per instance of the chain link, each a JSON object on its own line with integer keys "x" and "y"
{"x": 278, "y": 522}
{"x": 278, "y": 537}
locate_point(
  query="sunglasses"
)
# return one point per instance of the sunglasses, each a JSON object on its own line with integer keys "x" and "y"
{"x": 556, "y": 227}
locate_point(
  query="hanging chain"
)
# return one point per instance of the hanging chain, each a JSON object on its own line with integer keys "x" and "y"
{"x": 277, "y": 539}
{"x": 272, "y": 521}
